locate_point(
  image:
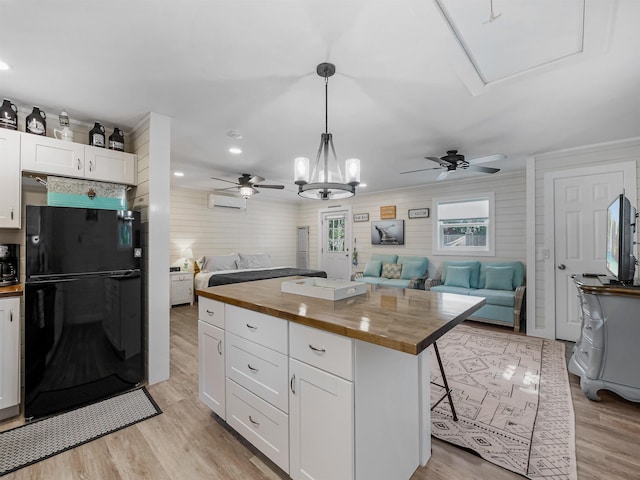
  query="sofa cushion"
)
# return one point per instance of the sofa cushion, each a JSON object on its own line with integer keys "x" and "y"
{"x": 496, "y": 297}
{"x": 458, "y": 276}
{"x": 405, "y": 260}
{"x": 384, "y": 258}
{"x": 372, "y": 268}
{"x": 499, "y": 278}
{"x": 458, "y": 290}
{"x": 518, "y": 272}
{"x": 391, "y": 270}
{"x": 389, "y": 282}
{"x": 371, "y": 280}
{"x": 475, "y": 270}
{"x": 494, "y": 313}
{"x": 412, "y": 269}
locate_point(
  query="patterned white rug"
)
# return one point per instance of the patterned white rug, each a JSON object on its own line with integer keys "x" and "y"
{"x": 513, "y": 401}
{"x": 40, "y": 439}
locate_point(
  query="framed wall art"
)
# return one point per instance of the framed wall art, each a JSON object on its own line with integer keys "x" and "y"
{"x": 387, "y": 212}
{"x": 418, "y": 213}
{"x": 361, "y": 217}
{"x": 389, "y": 232}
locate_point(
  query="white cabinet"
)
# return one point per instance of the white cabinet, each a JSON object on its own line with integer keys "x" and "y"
{"x": 181, "y": 288}
{"x": 9, "y": 352}
{"x": 10, "y": 180}
{"x": 46, "y": 155}
{"x": 211, "y": 348}
{"x": 321, "y": 424}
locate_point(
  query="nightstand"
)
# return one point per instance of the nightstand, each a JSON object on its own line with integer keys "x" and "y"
{"x": 181, "y": 288}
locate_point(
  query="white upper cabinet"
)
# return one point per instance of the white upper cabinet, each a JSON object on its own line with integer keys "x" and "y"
{"x": 51, "y": 156}
{"x": 10, "y": 181}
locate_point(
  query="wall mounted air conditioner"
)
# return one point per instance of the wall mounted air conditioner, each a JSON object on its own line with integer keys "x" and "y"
{"x": 226, "y": 201}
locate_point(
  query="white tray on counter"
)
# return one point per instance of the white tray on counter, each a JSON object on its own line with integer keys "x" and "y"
{"x": 324, "y": 288}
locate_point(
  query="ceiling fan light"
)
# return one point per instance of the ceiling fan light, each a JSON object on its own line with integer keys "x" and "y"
{"x": 246, "y": 191}
{"x": 301, "y": 174}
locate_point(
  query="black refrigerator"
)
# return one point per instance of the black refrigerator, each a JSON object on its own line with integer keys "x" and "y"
{"x": 83, "y": 307}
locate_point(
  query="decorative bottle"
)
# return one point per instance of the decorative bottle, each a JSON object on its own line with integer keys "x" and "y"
{"x": 116, "y": 140}
{"x": 96, "y": 136}
{"x": 36, "y": 122}
{"x": 8, "y": 115}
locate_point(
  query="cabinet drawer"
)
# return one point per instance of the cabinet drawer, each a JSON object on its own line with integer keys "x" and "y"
{"x": 186, "y": 277}
{"x": 266, "y": 427}
{"x": 211, "y": 311}
{"x": 257, "y": 327}
{"x": 327, "y": 351}
{"x": 590, "y": 357}
{"x": 259, "y": 369}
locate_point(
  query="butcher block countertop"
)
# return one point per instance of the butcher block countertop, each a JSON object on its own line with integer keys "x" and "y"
{"x": 401, "y": 319}
{"x": 11, "y": 291}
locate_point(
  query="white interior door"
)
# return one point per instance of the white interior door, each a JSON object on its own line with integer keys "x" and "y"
{"x": 335, "y": 255}
{"x": 580, "y": 208}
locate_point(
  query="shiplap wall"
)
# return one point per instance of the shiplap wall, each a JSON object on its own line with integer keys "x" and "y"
{"x": 510, "y": 209}
{"x": 267, "y": 225}
{"x": 623, "y": 151}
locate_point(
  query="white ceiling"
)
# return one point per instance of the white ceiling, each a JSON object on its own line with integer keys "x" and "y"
{"x": 402, "y": 91}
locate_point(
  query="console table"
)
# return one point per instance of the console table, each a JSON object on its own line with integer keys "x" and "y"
{"x": 606, "y": 356}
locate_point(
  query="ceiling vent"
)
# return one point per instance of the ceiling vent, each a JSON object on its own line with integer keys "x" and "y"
{"x": 225, "y": 201}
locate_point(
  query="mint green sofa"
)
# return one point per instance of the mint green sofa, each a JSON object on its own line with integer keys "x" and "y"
{"x": 411, "y": 270}
{"x": 502, "y": 284}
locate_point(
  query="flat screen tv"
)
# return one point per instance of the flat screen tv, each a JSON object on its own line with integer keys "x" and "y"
{"x": 621, "y": 227}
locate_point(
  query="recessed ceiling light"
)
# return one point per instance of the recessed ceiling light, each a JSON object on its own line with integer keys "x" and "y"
{"x": 178, "y": 174}
{"x": 234, "y": 134}
{"x": 235, "y": 150}
{"x": 4, "y": 66}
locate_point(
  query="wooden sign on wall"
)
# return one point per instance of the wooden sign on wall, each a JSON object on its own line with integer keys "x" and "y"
{"x": 388, "y": 212}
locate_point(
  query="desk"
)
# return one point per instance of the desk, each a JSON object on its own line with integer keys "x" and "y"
{"x": 606, "y": 356}
{"x": 347, "y": 390}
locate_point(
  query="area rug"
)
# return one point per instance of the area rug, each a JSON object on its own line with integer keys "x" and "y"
{"x": 40, "y": 439}
{"x": 513, "y": 401}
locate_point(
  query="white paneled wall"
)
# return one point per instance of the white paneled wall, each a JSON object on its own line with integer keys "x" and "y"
{"x": 267, "y": 225}
{"x": 510, "y": 210}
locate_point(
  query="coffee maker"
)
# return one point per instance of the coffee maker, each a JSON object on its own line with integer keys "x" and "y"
{"x": 9, "y": 264}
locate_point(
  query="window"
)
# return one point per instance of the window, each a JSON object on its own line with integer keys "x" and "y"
{"x": 464, "y": 225}
{"x": 335, "y": 230}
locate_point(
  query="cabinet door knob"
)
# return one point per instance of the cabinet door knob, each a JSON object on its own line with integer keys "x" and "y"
{"x": 252, "y": 327}
{"x": 79, "y": 165}
{"x": 11, "y": 315}
{"x": 253, "y": 369}
{"x": 257, "y": 424}
{"x": 210, "y": 313}
{"x": 292, "y": 384}
{"x": 220, "y": 347}
{"x": 317, "y": 349}
{"x": 562, "y": 266}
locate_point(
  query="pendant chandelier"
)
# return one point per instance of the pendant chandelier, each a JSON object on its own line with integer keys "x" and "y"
{"x": 326, "y": 181}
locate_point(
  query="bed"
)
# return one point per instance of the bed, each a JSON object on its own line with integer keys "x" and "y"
{"x": 239, "y": 267}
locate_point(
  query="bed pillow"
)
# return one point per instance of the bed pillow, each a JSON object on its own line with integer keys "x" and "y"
{"x": 499, "y": 278}
{"x": 372, "y": 268}
{"x": 412, "y": 269}
{"x": 254, "y": 260}
{"x": 391, "y": 270}
{"x": 215, "y": 263}
{"x": 458, "y": 277}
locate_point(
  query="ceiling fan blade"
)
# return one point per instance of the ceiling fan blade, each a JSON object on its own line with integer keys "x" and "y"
{"x": 277, "y": 187}
{"x": 223, "y": 180}
{"x": 488, "y": 158}
{"x": 483, "y": 169}
{"x": 438, "y": 160}
{"x": 444, "y": 175}
{"x": 420, "y": 170}
{"x": 225, "y": 189}
{"x": 256, "y": 179}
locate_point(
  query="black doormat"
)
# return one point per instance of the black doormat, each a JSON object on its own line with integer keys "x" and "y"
{"x": 35, "y": 441}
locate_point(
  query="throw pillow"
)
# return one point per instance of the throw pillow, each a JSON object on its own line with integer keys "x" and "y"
{"x": 499, "y": 278}
{"x": 411, "y": 269}
{"x": 372, "y": 268}
{"x": 458, "y": 277}
{"x": 391, "y": 270}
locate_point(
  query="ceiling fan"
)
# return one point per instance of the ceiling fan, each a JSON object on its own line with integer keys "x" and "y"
{"x": 453, "y": 160}
{"x": 247, "y": 185}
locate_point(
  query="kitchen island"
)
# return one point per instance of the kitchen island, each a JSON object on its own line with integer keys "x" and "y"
{"x": 326, "y": 389}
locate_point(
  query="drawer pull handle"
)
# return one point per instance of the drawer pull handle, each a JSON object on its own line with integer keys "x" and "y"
{"x": 251, "y": 327}
{"x": 253, "y": 369}
{"x": 220, "y": 347}
{"x": 292, "y": 384}
{"x": 589, "y": 327}
{"x": 257, "y": 424}
{"x": 210, "y": 313}
{"x": 584, "y": 352}
{"x": 316, "y": 349}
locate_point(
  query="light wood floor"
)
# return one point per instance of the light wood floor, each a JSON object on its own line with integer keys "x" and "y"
{"x": 188, "y": 442}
